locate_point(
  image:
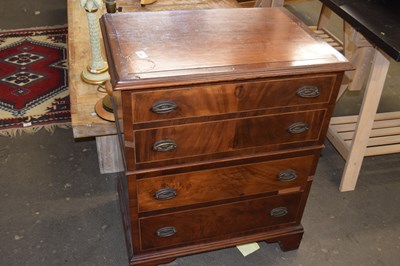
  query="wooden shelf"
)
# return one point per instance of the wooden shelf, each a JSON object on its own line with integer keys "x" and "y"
{"x": 328, "y": 37}
{"x": 384, "y": 137}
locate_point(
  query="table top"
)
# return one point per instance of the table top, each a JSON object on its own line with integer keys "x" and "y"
{"x": 202, "y": 46}
{"x": 377, "y": 20}
{"x": 85, "y": 122}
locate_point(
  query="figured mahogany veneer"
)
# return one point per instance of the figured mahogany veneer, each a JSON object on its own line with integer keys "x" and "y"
{"x": 219, "y": 221}
{"x": 222, "y": 116}
{"x": 223, "y": 183}
{"x": 234, "y": 134}
{"x": 200, "y": 101}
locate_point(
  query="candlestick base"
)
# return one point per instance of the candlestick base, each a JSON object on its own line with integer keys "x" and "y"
{"x": 104, "y": 109}
{"x": 147, "y": 2}
{"x": 92, "y": 78}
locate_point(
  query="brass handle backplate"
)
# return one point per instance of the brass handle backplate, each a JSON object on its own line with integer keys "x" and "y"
{"x": 165, "y": 194}
{"x": 166, "y": 231}
{"x": 297, "y": 128}
{"x": 287, "y": 175}
{"x": 164, "y": 145}
{"x": 308, "y": 92}
{"x": 163, "y": 107}
{"x": 279, "y": 212}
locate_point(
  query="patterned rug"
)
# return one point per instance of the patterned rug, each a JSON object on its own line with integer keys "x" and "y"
{"x": 33, "y": 81}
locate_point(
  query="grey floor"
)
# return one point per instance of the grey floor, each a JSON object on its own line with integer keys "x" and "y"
{"x": 57, "y": 209}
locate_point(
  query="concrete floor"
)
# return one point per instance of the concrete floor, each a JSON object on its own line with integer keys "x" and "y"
{"x": 56, "y": 209}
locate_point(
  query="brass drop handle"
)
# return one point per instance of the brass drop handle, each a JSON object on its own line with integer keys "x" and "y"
{"x": 278, "y": 212}
{"x": 163, "y": 107}
{"x": 308, "y": 91}
{"x": 298, "y": 127}
{"x": 287, "y": 175}
{"x": 165, "y": 194}
{"x": 164, "y": 145}
{"x": 166, "y": 231}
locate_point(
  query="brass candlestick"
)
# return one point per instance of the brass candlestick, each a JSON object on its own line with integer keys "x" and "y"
{"x": 147, "y": 2}
{"x": 97, "y": 70}
{"x": 104, "y": 108}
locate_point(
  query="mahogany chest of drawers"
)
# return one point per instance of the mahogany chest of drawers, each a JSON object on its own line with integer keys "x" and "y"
{"x": 222, "y": 116}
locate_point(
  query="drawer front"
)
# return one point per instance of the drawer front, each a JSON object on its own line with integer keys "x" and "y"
{"x": 217, "y": 221}
{"x": 220, "y": 184}
{"x": 232, "y": 135}
{"x": 230, "y": 98}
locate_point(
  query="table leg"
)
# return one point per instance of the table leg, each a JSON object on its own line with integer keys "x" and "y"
{"x": 109, "y": 154}
{"x": 373, "y": 92}
{"x": 324, "y": 17}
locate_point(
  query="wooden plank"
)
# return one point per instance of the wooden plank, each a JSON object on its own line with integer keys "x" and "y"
{"x": 354, "y": 118}
{"x": 374, "y": 133}
{"x": 109, "y": 154}
{"x": 387, "y": 115}
{"x": 380, "y": 141}
{"x": 376, "y": 124}
{"x": 346, "y": 135}
{"x": 384, "y": 140}
{"x": 336, "y": 140}
{"x": 373, "y": 151}
{"x": 344, "y": 127}
{"x": 344, "y": 119}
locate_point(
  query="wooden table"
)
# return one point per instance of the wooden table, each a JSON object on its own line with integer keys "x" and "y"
{"x": 85, "y": 122}
{"x": 368, "y": 133}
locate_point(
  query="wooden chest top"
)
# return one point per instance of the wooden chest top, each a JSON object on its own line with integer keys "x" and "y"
{"x": 167, "y": 48}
